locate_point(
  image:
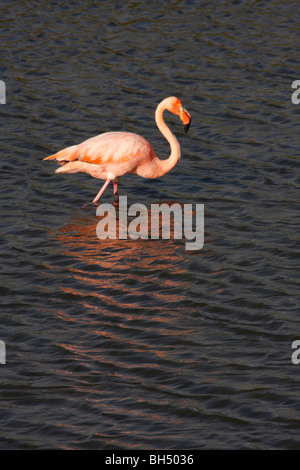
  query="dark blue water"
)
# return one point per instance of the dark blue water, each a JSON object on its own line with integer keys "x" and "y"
{"x": 140, "y": 344}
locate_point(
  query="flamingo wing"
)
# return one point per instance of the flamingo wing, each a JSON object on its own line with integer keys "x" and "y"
{"x": 110, "y": 147}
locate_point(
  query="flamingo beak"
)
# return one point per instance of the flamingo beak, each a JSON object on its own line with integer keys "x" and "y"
{"x": 186, "y": 127}
{"x": 186, "y": 119}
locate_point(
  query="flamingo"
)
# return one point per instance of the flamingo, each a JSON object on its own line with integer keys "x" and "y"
{"x": 113, "y": 154}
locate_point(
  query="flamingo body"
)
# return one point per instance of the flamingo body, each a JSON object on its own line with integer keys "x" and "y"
{"x": 113, "y": 154}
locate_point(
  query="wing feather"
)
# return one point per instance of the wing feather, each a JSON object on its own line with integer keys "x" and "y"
{"x": 110, "y": 147}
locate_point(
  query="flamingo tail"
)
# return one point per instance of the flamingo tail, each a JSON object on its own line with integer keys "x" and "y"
{"x": 67, "y": 154}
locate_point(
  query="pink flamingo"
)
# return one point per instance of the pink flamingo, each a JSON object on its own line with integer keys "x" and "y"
{"x": 113, "y": 154}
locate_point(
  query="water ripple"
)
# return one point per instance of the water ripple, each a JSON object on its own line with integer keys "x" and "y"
{"x": 139, "y": 344}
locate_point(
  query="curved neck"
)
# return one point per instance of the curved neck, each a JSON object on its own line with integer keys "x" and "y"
{"x": 166, "y": 165}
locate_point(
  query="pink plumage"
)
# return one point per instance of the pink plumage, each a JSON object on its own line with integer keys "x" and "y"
{"x": 113, "y": 154}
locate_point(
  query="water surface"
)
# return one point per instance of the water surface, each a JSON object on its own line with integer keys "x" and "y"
{"x": 140, "y": 344}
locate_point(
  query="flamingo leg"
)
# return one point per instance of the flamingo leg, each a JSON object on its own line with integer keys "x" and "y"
{"x": 116, "y": 189}
{"x": 102, "y": 190}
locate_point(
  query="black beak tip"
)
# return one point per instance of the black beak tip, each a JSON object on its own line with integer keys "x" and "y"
{"x": 186, "y": 128}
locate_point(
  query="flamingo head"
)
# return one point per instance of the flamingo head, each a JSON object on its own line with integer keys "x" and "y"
{"x": 186, "y": 119}
{"x": 176, "y": 107}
